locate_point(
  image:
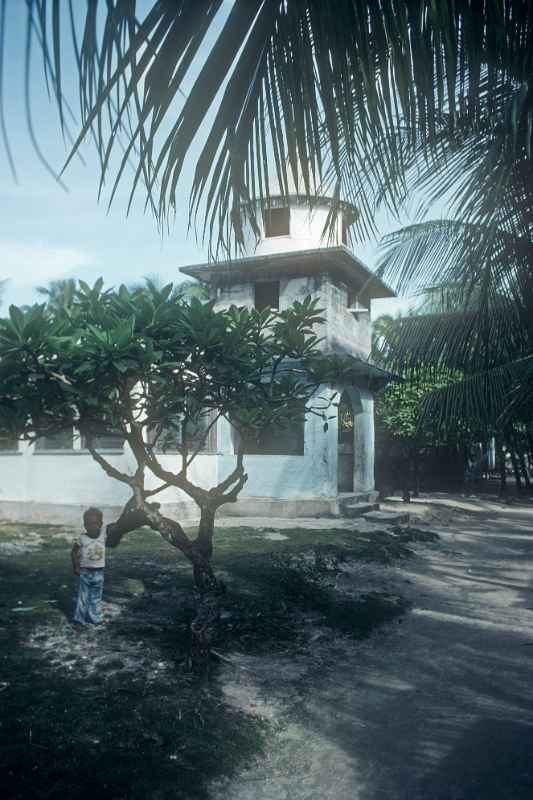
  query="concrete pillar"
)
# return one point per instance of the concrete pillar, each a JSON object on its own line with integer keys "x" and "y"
{"x": 364, "y": 442}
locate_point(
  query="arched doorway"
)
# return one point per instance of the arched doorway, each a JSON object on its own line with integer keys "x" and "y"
{"x": 345, "y": 444}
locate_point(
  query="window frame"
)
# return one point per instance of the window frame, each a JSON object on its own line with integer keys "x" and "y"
{"x": 12, "y": 443}
{"x": 41, "y": 445}
{"x": 104, "y": 447}
{"x": 210, "y": 444}
{"x": 263, "y": 284}
{"x": 269, "y": 225}
{"x": 298, "y": 452}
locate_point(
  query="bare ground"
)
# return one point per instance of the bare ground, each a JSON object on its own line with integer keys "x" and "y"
{"x": 435, "y": 704}
{"x": 439, "y": 707}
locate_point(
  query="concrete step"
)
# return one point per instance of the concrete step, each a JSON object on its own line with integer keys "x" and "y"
{"x": 349, "y": 498}
{"x": 358, "y": 509}
{"x": 387, "y": 517}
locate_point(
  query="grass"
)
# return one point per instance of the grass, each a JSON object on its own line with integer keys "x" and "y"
{"x": 115, "y": 713}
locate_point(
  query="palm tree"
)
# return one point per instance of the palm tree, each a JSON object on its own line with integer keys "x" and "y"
{"x": 480, "y": 326}
{"x": 348, "y": 97}
{"x": 59, "y": 293}
{"x": 476, "y": 328}
{"x": 186, "y": 290}
{"x": 372, "y": 102}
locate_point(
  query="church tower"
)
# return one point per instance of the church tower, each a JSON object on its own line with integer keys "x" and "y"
{"x": 308, "y": 471}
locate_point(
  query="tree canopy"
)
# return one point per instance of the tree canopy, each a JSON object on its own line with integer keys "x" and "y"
{"x": 150, "y": 367}
{"x": 370, "y": 102}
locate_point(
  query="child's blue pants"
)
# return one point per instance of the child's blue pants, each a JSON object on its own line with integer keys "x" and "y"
{"x": 89, "y": 604}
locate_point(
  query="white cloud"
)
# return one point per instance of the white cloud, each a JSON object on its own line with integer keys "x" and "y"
{"x": 27, "y": 265}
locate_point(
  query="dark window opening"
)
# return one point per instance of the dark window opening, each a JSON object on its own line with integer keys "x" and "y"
{"x": 106, "y": 441}
{"x": 58, "y": 441}
{"x": 344, "y": 230}
{"x": 267, "y": 295}
{"x": 276, "y": 441}
{"x": 277, "y": 222}
{"x": 9, "y": 442}
{"x": 200, "y": 435}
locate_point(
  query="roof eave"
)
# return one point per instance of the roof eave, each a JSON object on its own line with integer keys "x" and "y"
{"x": 338, "y": 258}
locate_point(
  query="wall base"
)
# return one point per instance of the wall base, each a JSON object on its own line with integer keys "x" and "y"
{"x": 72, "y": 515}
{"x": 274, "y": 507}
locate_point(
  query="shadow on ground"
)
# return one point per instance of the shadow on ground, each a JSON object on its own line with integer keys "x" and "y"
{"x": 115, "y": 712}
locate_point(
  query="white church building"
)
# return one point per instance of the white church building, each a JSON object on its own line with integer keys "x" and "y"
{"x": 300, "y": 472}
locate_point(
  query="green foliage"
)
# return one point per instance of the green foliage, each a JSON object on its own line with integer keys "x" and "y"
{"x": 58, "y": 293}
{"x": 337, "y": 98}
{"x": 400, "y": 412}
{"x": 475, "y": 322}
{"x": 141, "y": 362}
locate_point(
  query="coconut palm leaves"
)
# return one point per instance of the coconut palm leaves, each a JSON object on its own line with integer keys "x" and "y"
{"x": 299, "y": 91}
{"x": 479, "y": 320}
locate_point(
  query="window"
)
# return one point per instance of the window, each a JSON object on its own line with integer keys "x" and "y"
{"x": 58, "y": 441}
{"x": 106, "y": 441}
{"x": 344, "y": 230}
{"x": 277, "y": 221}
{"x": 266, "y": 295}
{"x": 8, "y": 443}
{"x": 276, "y": 441}
{"x": 198, "y": 435}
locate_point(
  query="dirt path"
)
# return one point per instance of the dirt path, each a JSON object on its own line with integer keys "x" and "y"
{"x": 439, "y": 707}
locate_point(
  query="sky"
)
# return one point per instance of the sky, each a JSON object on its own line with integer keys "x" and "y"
{"x": 48, "y": 232}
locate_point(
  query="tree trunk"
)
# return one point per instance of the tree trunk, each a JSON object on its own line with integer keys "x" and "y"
{"x": 516, "y": 469}
{"x": 523, "y": 468}
{"x": 530, "y": 447}
{"x": 405, "y": 476}
{"x": 198, "y": 552}
{"x": 416, "y": 472}
{"x": 500, "y": 464}
{"x": 203, "y": 545}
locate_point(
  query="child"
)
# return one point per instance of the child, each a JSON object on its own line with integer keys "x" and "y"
{"x": 88, "y": 561}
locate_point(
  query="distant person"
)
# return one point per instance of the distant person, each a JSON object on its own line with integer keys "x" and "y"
{"x": 88, "y": 561}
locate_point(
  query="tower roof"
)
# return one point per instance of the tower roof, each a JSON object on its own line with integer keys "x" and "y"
{"x": 338, "y": 261}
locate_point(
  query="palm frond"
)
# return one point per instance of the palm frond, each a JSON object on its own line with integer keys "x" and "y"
{"x": 493, "y": 399}
{"x": 282, "y": 78}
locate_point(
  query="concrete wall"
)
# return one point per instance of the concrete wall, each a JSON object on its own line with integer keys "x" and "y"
{"x": 240, "y": 294}
{"x": 345, "y": 331}
{"x": 341, "y": 330}
{"x": 56, "y": 486}
{"x": 283, "y": 484}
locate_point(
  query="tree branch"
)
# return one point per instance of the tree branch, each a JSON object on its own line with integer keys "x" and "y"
{"x": 106, "y": 466}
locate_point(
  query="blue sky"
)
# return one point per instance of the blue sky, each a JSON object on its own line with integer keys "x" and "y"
{"x": 48, "y": 233}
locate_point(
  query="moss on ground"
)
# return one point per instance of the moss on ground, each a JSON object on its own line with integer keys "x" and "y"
{"x": 115, "y": 712}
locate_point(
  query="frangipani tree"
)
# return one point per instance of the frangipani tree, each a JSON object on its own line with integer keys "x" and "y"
{"x": 148, "y": 366}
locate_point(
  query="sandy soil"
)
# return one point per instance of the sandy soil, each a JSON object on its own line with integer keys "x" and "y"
{"x": 439, "y": 707}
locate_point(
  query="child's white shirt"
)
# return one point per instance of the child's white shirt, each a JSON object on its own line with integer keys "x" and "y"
{"x": 92, "y": 551}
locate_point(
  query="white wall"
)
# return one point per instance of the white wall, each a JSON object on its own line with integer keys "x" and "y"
{"x": 308, "y": 476}
{"x": 306, "y": 233}
{"x": 363, "y": 439}
{"x": 73, "y": 478}
{"x": 346, "y": 331}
